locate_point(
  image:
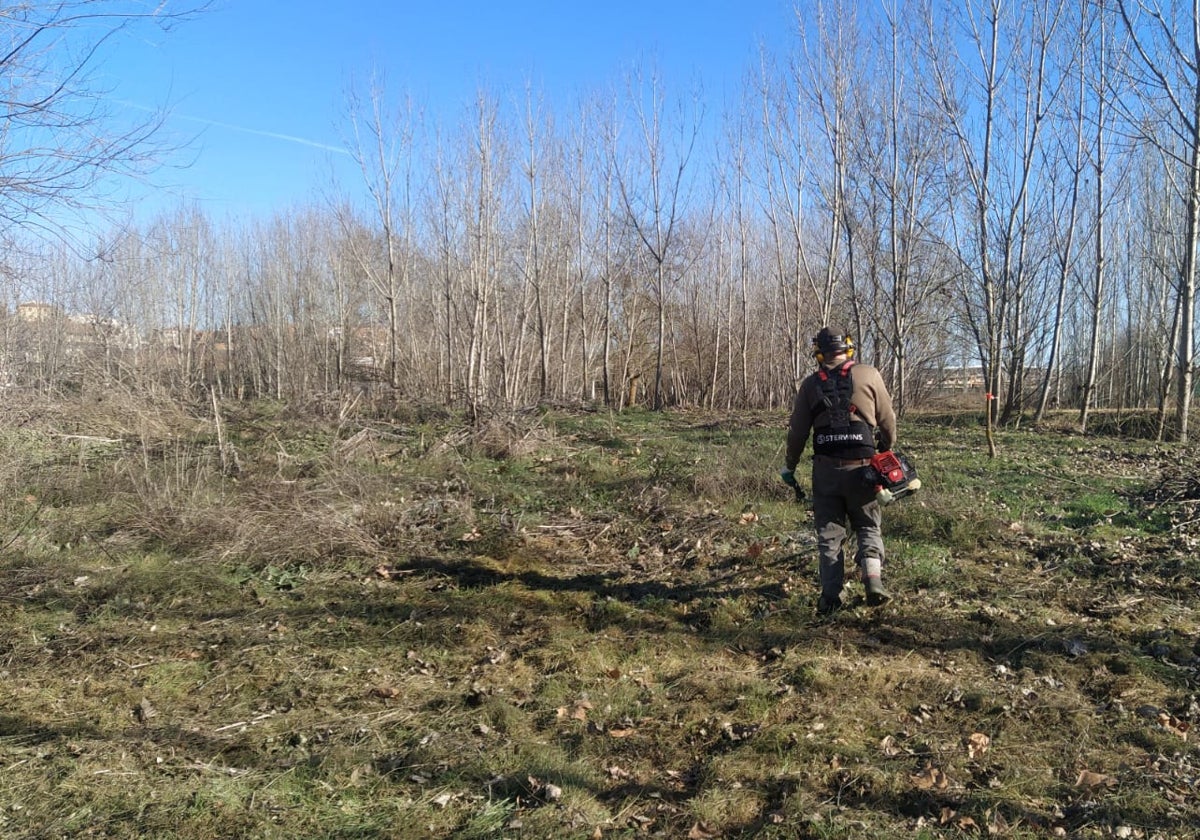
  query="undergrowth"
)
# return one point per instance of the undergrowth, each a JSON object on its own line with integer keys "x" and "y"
{"x": 591, "y": 625}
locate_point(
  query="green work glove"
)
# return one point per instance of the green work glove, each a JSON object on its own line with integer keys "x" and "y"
{"x": 789, "y": 478}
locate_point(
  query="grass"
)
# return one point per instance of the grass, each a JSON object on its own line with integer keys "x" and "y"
{"x": 584, "y": 625}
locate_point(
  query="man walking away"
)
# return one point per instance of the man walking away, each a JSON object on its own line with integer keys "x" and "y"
{"x": 848, "y": 411}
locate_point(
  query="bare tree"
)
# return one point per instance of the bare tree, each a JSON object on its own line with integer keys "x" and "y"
{"x": 654, "y": 190}
{"x": 60, "y": 140}
{"x": 447, "y": 227}
{"x": 895, "y": 208}
{"x": 827, "y": 82}
{"x": 382, "y": 147}
{"x": 995, "y": 124}
{"x": 608, "y": 212}
{"x": 484, "y": 180}
{"x": 1067, "y": 159}
{"x": 1166, "y": 41}
{"x": 1164, "y": 200}
{"x": 737, "y": 233}
{"x": 534, "y": 259}
{"x": 785, "y": 181}
{"x": 581, "y": 211}
{"x": 181, "y": 268}
{"x": 1108, "y": 57}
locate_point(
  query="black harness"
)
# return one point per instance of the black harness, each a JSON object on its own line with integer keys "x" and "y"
{"x": 846, "y": 435}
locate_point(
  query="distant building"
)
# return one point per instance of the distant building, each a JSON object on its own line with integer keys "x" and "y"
{"x": 955, "y": 378}
{"x": 35, "y": 311}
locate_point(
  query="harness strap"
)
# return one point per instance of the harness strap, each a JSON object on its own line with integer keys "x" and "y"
{"x": 836, "y": 394}
{"x": 847, "y": 436}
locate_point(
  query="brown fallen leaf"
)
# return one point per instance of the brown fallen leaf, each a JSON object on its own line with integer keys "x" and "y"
{"x": 949, "y": 816}
{"x": 387, "y": 692}
{"x": 701, "y": 831}
{"x": 978, "y": 744}
{"x": 577, "y": 712}
{"x": 1174, "y": 725}
{"x": 931, "y": 778}
{"x": 1088, "y": 779}
{"x": 622, "y": 732}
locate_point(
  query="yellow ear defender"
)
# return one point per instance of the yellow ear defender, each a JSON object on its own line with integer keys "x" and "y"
{"x": 827, "y": 341}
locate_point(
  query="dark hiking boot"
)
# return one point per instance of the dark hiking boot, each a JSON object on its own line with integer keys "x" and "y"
{"x": 877, "y": 596}
{"x": 828, "y": 606}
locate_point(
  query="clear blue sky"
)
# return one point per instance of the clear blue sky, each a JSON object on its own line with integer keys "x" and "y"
{"x": 260, "y": 83}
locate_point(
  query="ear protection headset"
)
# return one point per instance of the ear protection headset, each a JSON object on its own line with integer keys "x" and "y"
{"x": 826, "y": 343}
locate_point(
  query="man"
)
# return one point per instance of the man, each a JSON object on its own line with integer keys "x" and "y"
{"x": 848, "y": 410}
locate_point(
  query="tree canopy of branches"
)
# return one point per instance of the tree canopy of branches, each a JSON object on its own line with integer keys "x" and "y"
{"x": 999, "y": 200}
{"x": 60, "y": 137}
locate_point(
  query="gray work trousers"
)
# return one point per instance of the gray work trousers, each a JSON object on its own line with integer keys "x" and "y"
{"x": 841, "y": 495}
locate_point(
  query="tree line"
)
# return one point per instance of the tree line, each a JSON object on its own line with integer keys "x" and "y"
{"x": 1008, "y": 186}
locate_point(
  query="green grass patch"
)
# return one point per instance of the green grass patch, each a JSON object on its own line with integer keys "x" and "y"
{"x": 582, "y": 624}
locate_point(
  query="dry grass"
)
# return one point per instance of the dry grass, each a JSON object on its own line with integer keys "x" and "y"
{"x": 581, "y": 626}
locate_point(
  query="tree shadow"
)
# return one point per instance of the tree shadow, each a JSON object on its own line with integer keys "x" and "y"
{"x": 235, "y": 751}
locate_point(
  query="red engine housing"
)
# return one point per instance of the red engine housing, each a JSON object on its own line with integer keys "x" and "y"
{"x": 894, "y": 477}
{"x": 891, "y": 470}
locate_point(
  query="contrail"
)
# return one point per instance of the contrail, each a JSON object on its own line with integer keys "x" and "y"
{"x": 244, "y": 129}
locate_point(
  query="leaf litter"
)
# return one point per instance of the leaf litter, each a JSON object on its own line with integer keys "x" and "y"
{"x": 652, "y": 663}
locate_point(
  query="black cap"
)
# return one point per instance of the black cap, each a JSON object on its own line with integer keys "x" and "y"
{"x": 830, "y": 342}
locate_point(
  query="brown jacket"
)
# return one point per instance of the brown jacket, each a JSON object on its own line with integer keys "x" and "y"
{"x": 871, "y": 400}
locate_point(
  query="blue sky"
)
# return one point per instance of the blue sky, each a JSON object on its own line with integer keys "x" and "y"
{"x": 259, "y": 83}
